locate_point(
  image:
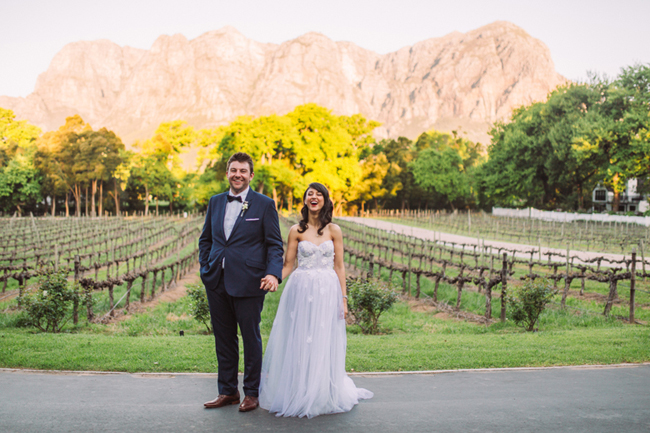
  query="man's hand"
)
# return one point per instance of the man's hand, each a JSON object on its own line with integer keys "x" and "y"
{"x": 269, "y": 283}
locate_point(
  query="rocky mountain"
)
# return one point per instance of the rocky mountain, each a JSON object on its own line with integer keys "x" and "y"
{"x": 462, "y": 81}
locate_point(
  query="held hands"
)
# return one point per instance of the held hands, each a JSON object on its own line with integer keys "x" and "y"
{"x": 269, "y": 283}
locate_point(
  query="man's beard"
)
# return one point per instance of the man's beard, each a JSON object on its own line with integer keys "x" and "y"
{"x": 232, "y": 187}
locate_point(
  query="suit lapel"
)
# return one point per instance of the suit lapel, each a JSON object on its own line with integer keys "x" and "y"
{"x": 221, "y": 213}
{"x": 248, "y": 198}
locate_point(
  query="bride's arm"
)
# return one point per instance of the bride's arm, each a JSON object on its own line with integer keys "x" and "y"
{"x": 339, "y": 263}
{"x": 292, "y": 250}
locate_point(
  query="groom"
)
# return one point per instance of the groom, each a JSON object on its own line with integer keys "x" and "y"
{"x": 240, "y": 252}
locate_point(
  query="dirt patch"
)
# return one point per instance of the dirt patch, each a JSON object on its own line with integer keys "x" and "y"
{"x": 589, "y": 296}
{"x": 353, "y": 272}
{"x": 171, "y": 317}
{"x": 444, "y": 316}
{"x": 444, "y": 311}
{"x": 420, "y": 307}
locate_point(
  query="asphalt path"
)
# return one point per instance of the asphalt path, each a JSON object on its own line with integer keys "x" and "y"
{"x": 565, "y": 399}
{"x": 522, "y": 250}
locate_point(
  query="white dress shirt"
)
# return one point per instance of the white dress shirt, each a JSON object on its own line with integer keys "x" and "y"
{"x": 233, "y": 209}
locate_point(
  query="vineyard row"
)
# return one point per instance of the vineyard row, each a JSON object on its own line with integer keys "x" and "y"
{"x": 434, "y": 259}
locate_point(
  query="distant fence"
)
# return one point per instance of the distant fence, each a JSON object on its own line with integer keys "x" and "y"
{"x": 569, "y": 216}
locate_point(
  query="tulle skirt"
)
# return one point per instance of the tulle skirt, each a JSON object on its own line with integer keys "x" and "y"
{"x": 303, "y": 372}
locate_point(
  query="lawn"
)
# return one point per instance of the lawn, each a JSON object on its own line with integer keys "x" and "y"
{"x": 411, "y": 340}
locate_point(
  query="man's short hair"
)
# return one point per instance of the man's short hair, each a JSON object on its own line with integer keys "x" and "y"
{"x": 241, "y": 157}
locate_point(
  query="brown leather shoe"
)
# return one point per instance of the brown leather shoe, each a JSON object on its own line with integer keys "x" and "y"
{"x": 222, "y": 400}
{"x": 249, "y": 404}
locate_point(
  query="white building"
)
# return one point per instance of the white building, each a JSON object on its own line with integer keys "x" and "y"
{"x": 629, "y": 201}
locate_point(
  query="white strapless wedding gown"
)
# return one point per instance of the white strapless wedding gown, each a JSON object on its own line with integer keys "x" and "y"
{"x": 303, "y": 372}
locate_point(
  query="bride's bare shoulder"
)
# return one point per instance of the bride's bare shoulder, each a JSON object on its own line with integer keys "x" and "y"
{"x": 335, "y": 227}
{"x": 293, "y": 231}
{"x": 335, "y": 230}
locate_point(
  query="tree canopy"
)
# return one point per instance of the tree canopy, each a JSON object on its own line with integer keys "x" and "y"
{"x": 551, "y": 154}
{"x": 548, "y": 154}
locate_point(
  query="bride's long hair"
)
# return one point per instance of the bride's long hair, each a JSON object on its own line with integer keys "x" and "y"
{"x": 325, "y": 214}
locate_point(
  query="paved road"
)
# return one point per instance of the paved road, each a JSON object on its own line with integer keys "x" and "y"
{"x": 436, "y": 235}
{"x": 541, "y": 400}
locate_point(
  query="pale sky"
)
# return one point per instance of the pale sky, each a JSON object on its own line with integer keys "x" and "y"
{"x": 583, "y": 35}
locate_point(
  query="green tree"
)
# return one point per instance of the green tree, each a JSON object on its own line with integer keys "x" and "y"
{"x": 156, "y": 169}
{"x": 616, "y": 134}
{"x": 57, "y": 158}
{"x": 551, "y": 154}
{"x": 398, "y": 182}
{"x": 441, "y": 172}
{"x": 306, "y": 145}
{"x": 150, "y": 177}
{"x": 19, "y": 183}
{"x": 369, "y": 187}
{"x": 16, "y": 132}
{"x": 101, "y": 152}
{"x": 325, "y": 152}
{"x": 120, "y": 177}
{"x": 19, "y": 178}
{"x": 444, "y": 166}
{"x": 532, "y": 160}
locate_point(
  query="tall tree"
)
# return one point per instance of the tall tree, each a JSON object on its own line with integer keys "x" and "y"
{"x": 616, "y": 133}
{"x": 533, "y": 159}
{"x": 445, "y": 166}
{"x": 100, "y": 152}
{"x": 19, "y": 178}
{"x": 308, "y": 144}
{"x": 57, "y": 156}
{"x": 442, "y": 172}
{"x": 326, "y": 152}
{"x": 19, "y": 182}
{"x": 370, "y": 185}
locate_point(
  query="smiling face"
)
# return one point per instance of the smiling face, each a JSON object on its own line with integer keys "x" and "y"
{"x": 239, "y": 176}
{"x": 314, "y": 200}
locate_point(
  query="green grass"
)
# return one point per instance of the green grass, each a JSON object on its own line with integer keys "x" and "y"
{"x": 411, "y": 340}
{"x": 150, "y": 342}
{"x": 430, "y": 344}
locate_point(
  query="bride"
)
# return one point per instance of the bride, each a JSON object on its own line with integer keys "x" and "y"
{"x": 303, "y": 372}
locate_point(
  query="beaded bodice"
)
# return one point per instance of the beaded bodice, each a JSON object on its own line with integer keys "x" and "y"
{"x": 312, "y": 256}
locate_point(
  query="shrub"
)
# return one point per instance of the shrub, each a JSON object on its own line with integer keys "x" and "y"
{"x": 48, "y": 309}
{"x": 368, "y": 299}
{"x": 529, "y": 300}
{"x": 199, "y": 307}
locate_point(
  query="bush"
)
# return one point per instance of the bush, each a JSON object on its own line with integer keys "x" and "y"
{"x": 367, "y": 300}
{"x": 199, "y": 307}
{"x": 528, "y": 301}
{"x": 49, "y": 308}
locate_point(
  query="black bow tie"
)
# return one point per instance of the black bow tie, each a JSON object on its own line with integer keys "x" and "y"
{"x": 232, "y": 197}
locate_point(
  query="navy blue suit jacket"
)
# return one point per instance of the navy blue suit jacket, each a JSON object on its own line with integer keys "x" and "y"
{"x": 253, "y": 250}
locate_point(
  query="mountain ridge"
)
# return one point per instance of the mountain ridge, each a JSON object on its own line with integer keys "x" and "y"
{"x": 460, "y": 81}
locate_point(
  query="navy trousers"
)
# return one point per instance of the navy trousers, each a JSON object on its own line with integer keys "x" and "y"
{"x": 226, "y": 312}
